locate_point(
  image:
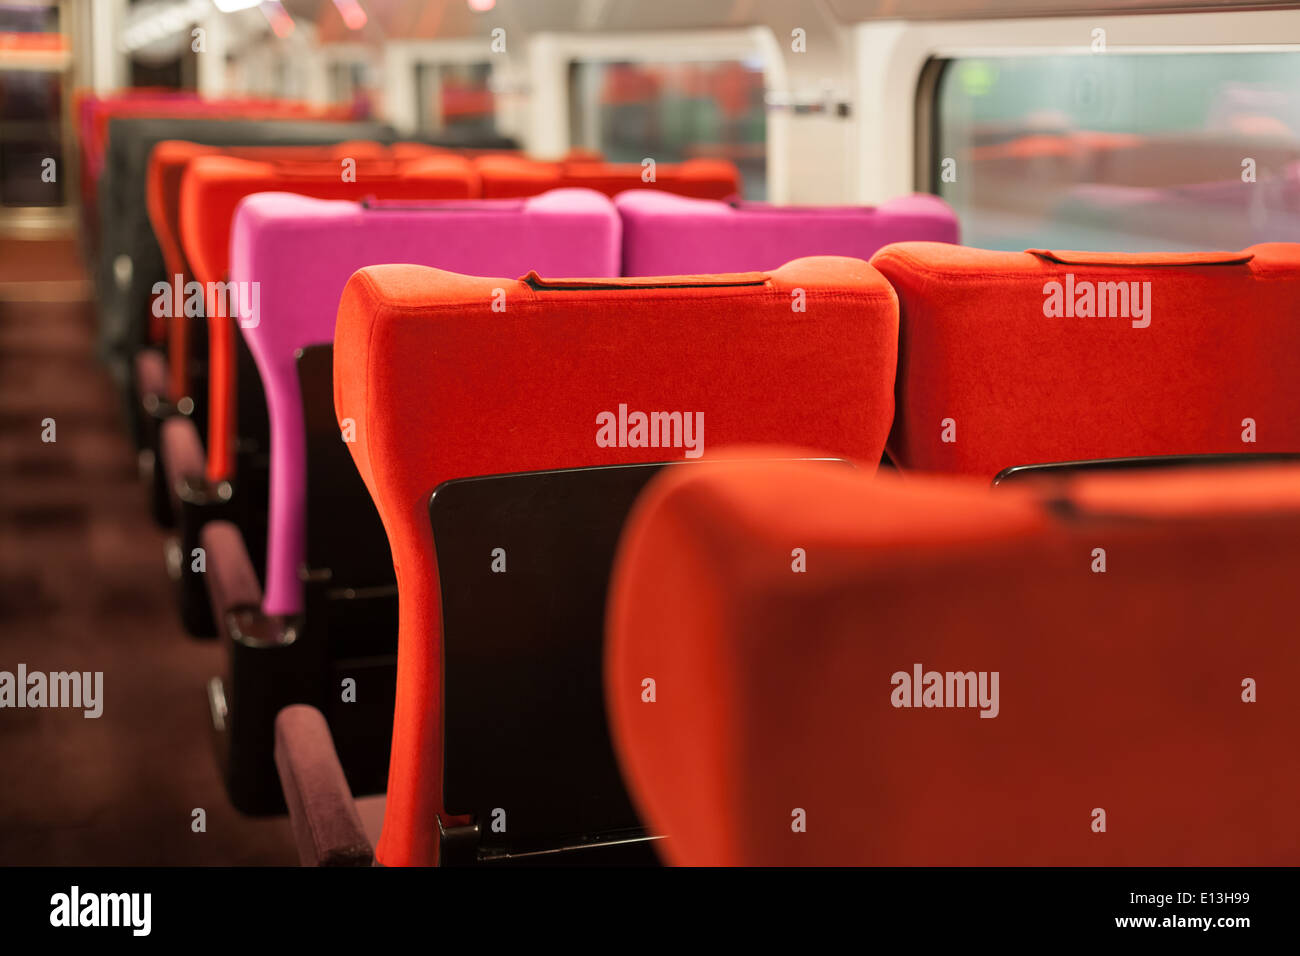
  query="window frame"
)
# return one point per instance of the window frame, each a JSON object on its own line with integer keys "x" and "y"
{"x": 551, "y": 55}
{"x": 403, "y": 58}
{"x": 896, "y": 80}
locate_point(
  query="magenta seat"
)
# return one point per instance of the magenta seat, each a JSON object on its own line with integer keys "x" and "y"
{"x": 665, "y": 234}
{"x": 302, "y": 251}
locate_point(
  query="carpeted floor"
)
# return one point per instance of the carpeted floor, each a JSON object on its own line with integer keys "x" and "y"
{"x": 83, "y": 587}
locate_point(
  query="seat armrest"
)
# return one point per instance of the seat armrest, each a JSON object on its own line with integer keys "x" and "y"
{"x": 326, "y": 825}
{"x": 235, "y": 595}
{"x": 183, "y": 458}
{"x": 151, "y": 382}
{"x": 232, "y": 582}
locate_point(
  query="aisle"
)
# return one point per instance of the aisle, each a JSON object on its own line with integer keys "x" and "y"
{"x": 82, "y": 587}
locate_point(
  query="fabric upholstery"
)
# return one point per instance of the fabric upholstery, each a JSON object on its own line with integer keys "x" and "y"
{"x": 95, "y": 113}
{"x": 167, "y": 165}
{"x": 211, "y": 189}
{"x": 1120, "y": 691}
{"x": 562, "y": 352}
{"x": 666, "y": 234}
{"x": 302, "y": 252}
{"x": 512, "y": 176}
{"x": 181, "y": 452}
{"x": 326, "y": 825}
{"x": 126, "y": 235}
{"x": 150, "y": 372}
{"x": 981, "y": 362}
{"x": 231, "y": 580}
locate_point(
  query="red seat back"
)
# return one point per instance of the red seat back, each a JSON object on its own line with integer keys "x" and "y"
{"x": 796, "y": 720}
{"x": 441, "y": 376}
{"x": 1014, "y": 358}
{"x": 507, "y": 176}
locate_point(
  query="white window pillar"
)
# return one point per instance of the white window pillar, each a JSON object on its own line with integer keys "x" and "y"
{"x": 107, "y": 58}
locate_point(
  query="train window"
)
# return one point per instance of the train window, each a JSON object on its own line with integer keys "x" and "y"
{"x": 1136, "y": 152}
{"x": 455, "y": 96}
{"x": 672, "y": 112}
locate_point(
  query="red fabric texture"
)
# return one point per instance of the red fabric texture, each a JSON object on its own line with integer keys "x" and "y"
{"x": 1022, "y": 387}
{"x": 212, "y": 187}
{"x": 167, "y": 165}
{"x": 1121, "y": 691}
{"x": 438, "y": 385}
{"x": 507, "y": 176}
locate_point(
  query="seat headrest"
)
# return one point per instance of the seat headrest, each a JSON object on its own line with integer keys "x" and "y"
{"x": 929, "y": 671}
{"x": 1016, "y": 358}
{"x": 213, "y": 186}
{"x": 505, "y": 176}
{"x": 666, "y": 233}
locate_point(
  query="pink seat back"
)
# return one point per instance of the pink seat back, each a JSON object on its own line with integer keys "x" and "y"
{"x": 666, "y": 234}
{"x": 302, "y": 252}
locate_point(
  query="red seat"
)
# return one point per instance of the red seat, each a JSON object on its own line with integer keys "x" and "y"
{"x": 506, "y": 176}
{"x": 424, "y": 407}
{"x": 789, "y": 726}
{"x": 94, "y": 114}
{"x": 1015, "y": 358}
